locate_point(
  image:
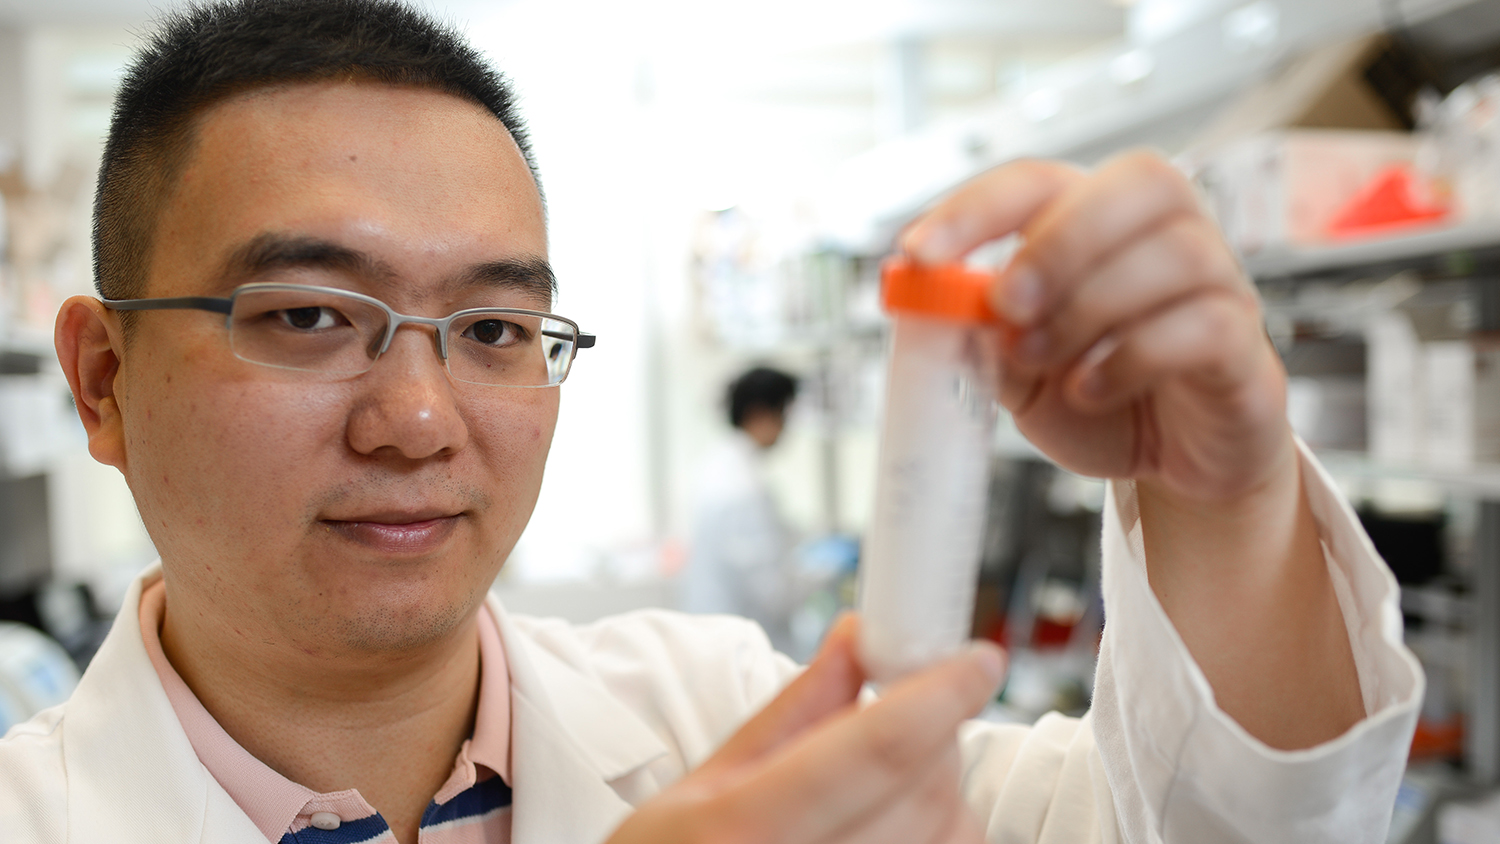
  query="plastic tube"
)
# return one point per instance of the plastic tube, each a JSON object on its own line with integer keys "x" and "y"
{"x": 918, "y": 573}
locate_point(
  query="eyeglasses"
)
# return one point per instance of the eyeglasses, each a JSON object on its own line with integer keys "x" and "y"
{"x": 340, "y": 332}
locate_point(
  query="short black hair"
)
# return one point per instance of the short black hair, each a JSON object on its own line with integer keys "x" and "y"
{"x": 200, "y": 56}
{"x": 761, "y": 388}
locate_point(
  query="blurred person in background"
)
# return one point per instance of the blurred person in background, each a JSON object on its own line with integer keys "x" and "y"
{"x": 740, "y": 558}
{"x": 320, "y": 365}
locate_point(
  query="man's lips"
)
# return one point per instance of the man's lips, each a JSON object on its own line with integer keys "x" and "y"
{"x": 398, "y": 532}
{"x": 394, "y": 515}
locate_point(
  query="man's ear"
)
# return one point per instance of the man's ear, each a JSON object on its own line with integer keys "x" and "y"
{"x": 89, "y": 346}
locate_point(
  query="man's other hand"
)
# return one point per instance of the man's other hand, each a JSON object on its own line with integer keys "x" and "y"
{"x": 816, "y": 766}
{"x": 1134, "y": 349}
{"x": 1135, "y": 346}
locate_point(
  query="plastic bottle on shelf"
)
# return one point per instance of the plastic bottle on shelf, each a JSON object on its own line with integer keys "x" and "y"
{"x": 921, "y": 559}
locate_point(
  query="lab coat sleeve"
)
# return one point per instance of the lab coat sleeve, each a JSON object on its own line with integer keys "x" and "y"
{"x": 1156, "y": 760}
{"x": 1181, "y": 770}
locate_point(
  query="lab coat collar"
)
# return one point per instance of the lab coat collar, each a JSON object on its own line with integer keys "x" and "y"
{"x": 125, "y": 752}
{"x": 134, "y": 777}
{"x": 570, "y": 738}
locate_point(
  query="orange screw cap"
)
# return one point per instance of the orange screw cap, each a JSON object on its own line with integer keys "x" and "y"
{"x": 946, "y": 291}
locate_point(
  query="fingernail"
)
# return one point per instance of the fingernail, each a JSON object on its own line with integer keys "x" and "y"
{"x": 990, "y": 659}
{"x": 1021, "y": 295}
{"x": 1033, "y": 346}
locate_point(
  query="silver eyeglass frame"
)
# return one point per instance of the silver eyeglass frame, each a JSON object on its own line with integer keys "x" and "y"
{"x": 394, "y": 320}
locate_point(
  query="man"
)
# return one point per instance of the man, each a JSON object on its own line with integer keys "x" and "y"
{"x": 739, "y": 560}
{"x": 332, "y": 488}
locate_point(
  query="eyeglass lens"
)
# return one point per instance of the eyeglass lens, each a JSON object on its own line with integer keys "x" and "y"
{"x": 320, "y": 331}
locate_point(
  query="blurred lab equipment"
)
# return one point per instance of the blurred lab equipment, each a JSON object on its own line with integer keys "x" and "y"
{"x": 1473, "y": 822}
{"x": 35, "y": 673}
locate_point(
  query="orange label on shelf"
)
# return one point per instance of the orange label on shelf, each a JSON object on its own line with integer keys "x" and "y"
{"x": 1397, "y": 198}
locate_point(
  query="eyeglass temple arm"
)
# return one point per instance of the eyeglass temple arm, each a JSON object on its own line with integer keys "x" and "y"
{"x": 197, "y": 303}
{"x": 585, "y": 341}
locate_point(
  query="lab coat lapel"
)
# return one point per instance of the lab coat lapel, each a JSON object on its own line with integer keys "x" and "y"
{"x": 569, "y": 739}
{"x": 142, "y": 783}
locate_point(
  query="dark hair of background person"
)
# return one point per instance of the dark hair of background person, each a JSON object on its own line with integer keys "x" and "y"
{"x": 199, "y": 56}
{"x": 760, "y": 388}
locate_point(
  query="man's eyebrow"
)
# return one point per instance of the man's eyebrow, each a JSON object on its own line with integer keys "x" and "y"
{"x": 532, "y": 277}
{"x": 273, "y": 251}
{"x": 529, "y": 276}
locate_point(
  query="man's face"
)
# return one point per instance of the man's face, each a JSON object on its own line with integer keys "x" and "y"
{"x": 369, "y": 512}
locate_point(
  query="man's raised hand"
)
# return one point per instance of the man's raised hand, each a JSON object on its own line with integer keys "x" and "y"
{"x": 1135, "y": 346}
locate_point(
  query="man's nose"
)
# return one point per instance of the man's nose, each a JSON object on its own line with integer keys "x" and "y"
{"x": 406, "y": 403}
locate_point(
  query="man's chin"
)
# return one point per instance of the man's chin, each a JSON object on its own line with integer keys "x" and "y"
{"x": 363, "y": 602}
{"x": 395, "y": 627}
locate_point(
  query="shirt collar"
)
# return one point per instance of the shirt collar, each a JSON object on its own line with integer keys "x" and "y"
{"x": 274, "y": 803}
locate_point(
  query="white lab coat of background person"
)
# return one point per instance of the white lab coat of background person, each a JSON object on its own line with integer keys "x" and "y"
{"x": 740, "y": 559}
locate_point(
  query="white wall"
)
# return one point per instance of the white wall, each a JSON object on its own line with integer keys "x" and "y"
{"x": 645, "y": 114}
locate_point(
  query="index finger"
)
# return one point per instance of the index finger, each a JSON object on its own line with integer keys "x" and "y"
{"x": 991, "y": 205}
{"x": 861, "y": 761}
{"x": 830, "y": 683}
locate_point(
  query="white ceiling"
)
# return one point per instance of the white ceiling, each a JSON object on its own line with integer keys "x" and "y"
{"x": 77, "y": 12}
{"x": 871, "y": 19}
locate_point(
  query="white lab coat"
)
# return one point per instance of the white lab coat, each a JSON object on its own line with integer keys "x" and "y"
{"x": 606, "y": 715}
{"x": 740, "y": 547}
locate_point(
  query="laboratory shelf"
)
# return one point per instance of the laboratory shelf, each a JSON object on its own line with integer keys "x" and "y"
{"x": 1472, "y": 248}
{"x": 1416, "y": 248}
{"x": 1479, "y": 480}
{"x": 1482, "y": 482}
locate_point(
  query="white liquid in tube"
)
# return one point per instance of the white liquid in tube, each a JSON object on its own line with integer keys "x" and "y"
{"x": 921, "y": 560}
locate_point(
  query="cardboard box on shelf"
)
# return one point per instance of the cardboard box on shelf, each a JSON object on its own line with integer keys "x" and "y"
{"x": 1324, "y": 88}
{"x": 1286, "y": 187}
{"x": 1462, "y": 402}
{"x": 1433, "y": 382}
{"x": 1286, "y": 155}
{"x": 1396, "y": 424}
{"x": 1326, "y": 391}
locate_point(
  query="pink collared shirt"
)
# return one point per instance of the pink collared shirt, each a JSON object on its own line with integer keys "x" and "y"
{"x": 473, "y": 805}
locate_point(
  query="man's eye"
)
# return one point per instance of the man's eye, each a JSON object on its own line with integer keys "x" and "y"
{"x": 494, "y": 332}
{"x": 311, "y": 318}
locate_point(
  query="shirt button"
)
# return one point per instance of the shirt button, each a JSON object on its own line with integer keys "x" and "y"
{"x": 325, "y": 820}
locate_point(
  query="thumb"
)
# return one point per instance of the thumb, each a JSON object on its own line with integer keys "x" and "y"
{"x": 830, "y": 684}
